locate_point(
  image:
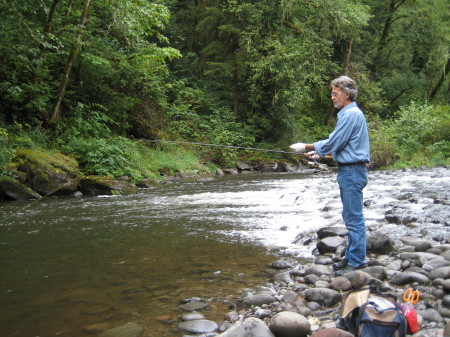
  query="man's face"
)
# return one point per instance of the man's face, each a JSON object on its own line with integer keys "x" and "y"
{"x": 339, "y": 98}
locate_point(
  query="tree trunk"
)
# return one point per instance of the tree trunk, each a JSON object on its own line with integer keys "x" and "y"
{"x": 46, "y": 32}
{"x": 441, "y": 80}
{"x": 70, "y": 61}
{"x": 347, "y": 56}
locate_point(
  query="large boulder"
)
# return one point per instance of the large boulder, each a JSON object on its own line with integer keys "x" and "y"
{"x": 12, "y": 189}
{"x": 46, "y": 173}
{"x": 105, "y": 185}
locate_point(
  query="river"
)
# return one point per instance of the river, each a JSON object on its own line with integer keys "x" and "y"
{"x": 71, "y": 265}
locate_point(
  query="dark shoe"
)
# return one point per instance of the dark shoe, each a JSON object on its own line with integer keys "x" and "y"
{"x": 340, "y": 265}
{"x": 349, "y": 269}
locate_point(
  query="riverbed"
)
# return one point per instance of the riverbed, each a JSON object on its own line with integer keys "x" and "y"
{"x": 75, "y": 264}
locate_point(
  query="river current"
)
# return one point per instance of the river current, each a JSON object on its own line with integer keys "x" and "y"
{"x": 72, "y": 266}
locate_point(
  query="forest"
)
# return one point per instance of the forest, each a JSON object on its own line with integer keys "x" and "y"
{"x": 97, "y": 79}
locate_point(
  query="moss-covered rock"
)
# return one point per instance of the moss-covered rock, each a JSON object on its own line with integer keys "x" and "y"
{"x": 47, "y": 173}
{"x": 12, "y": 189}
{"x": 104, "y": 185}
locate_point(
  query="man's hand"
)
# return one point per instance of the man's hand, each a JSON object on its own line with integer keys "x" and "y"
{"x": 313, "y": 155}
{"x": 299, "y": 147}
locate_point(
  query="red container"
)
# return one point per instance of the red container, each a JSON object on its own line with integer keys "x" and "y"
{"x": 411, "y": 316}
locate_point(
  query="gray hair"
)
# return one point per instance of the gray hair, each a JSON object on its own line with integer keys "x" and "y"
{"x": 346, "y": 84}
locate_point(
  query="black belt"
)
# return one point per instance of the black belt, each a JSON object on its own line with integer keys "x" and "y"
{"x": 350, "y": 164}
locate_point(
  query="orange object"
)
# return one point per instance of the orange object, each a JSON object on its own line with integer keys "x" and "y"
{"x": 411, "y": 296}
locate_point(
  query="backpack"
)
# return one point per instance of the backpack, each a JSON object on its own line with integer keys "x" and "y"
{"x": 372, "y": 314}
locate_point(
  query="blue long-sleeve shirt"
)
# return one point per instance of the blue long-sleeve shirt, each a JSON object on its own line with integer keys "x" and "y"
{"x": 349, "y": 141}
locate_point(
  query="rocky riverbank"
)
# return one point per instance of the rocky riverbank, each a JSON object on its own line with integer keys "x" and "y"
{"x": 306, "y": 299}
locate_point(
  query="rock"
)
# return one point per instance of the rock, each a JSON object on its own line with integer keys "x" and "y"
{"x": 340, "y": 283}
{"x": 104, "y": 185}
{"x": 446, "y": 255}
{"x": 379, "y": 243}
{"x": 318, "y": 270}
{"x": 329, "y": 244}
{"x": 331, "y": 231}
{"x": 359, "y": 279}
{"x": 443, "y": 272}
{"x": 290, "y": 296}
{"x": 447, "y": 330}
{"x": 194, "y": 305}
{"x": 48, "y": 174}
{"x": 283, "y": 277}
{"x": 130, "y": 329}
{"x": 258, "y": 300}
{"x": 12, "y": 189}
{"x": 198, "y": 326}
{"x": 408, "y": 277}
{"x": 281, "y": 264}
{"x": 231, "y": 316}
{"x": 429, "y": 333}
{"x": 377, "y": 272}
{"x": 331, "y": 332}
{"x": 289, "y": 324}
{"x": 325, "y": 296}
{"x": 430, "y": 315}
{"x": 249, "y": 327}
{"x": 241, "y": 166}
{"x": 190, "y": 316}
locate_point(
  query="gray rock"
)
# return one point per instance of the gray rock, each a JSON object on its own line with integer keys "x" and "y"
{"x": 130, "y": 329}
{"x": 408, "y": 277}
{"x": 443, "y": 272}
{"x": 340, "y": 283}
{"x": 430, "y": 315}
{"x": 231, "y": 316}
{"x": 289, "y": 324}
{"x": 198, "y": 326}
{"x": 281, "y": 264}
{"x": 290, "y": 296}
{"x": 15, "y": 190}
{"x": 324, "y": 260}
{"x": 429, "y": 333}
{"x": 446, "y": 301}
{"x": 194, "y": 306}
{"x": 190, "y": 316}
{"x": 331, "y": 231}
{"x": 318, "y": 270}
{"x": 250, "y": 327}
{"x": 329, "y": 244}
{"x": 379, "y": 243}
{"x": 446, "y": 255}
{"x": 325, "y": 296}
{"x": 283, "y": 277}
{"x": 258, "y": 300}
{"x": 377, "y": 272}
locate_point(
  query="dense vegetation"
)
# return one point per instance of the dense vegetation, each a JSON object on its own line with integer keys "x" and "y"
{"x": 93, "y": 78}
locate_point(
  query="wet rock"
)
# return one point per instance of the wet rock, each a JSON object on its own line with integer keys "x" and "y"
{"x": 130, "y": 329}
{"x": 194, "y": 306}
{"x": 241, "y": 166}
{"x": 198, "y": 326}
{"x": 281, "y": 264}
{"x": 12, "y": 189}
{"x": 47, "y": 174}
{"x": 231, "y": 316}
{"x": 329, "y": 244}
{"x": 190, "y": 316}
{"x": 318, "y": 270}
{"x": 258, "y": 300}
{"x": 359, "y": 279}
{"x": 289, "y": 324}
{"x": 283, "y": 277}
{"x": 324, "y": 296}
{"x": 408, "y": 277}
{"x": 331, "y": 231}
{"x": 379, "y": 244}
{"x": 324, "y": 260}
{"x": 105, "y": 185}
{"x": 249, "y": 327}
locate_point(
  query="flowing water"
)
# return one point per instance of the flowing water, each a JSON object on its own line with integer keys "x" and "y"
{"x": 72, "y": 265}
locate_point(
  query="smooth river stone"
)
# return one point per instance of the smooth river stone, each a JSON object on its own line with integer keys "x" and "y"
{"x": 198, "y": 326}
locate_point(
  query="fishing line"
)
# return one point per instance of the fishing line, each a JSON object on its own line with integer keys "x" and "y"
{"x": 221, "y": 146}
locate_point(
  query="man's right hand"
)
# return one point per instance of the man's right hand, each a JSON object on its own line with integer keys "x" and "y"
{"x": 299, "y": 147}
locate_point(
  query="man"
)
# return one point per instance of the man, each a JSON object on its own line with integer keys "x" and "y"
{"x": 349, "y": 144}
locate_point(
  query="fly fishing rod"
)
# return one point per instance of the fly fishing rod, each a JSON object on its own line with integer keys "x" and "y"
{"x": 220, "y": 145}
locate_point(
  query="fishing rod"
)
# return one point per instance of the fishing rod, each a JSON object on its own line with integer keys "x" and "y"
{"x": 222, "y": 146}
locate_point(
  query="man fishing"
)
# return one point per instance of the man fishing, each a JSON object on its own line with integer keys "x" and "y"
{"x": 349, "y": 145}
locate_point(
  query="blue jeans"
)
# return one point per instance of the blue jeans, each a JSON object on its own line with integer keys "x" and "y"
{"x": 352, "y": 179}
